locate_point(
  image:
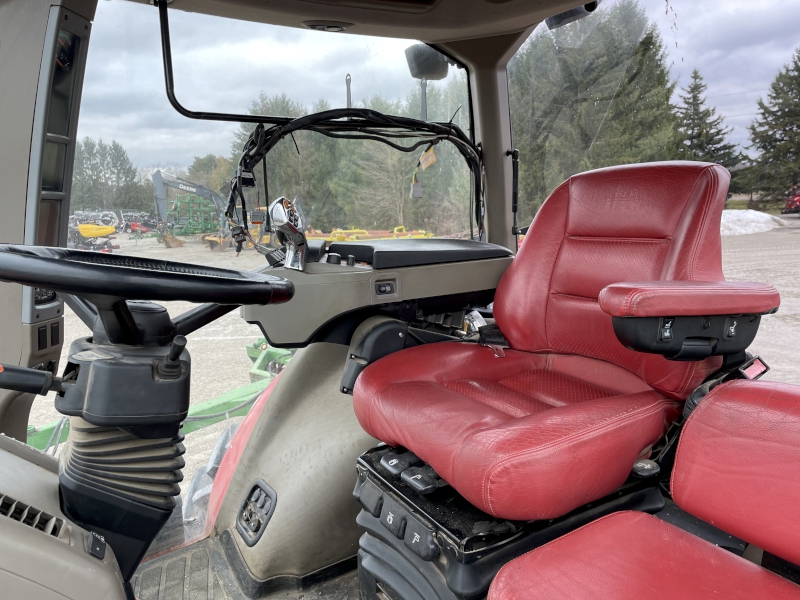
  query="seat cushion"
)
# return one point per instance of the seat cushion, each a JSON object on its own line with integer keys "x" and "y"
{"x": 527, "y": 436}
{"x": 635, "y": 556}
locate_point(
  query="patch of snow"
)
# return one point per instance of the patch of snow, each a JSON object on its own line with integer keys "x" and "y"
{"x": 742, "y": 222}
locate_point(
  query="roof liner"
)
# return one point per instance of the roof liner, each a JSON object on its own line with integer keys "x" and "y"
{"x": 427, "y": 20}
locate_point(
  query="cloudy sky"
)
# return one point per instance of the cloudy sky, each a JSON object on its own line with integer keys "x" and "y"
{"x": 222, "y": 65}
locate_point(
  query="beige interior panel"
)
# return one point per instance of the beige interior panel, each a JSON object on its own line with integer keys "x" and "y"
{"x": 304, "y": 445}
{"x": 34, "y": 563}
{"x": 444, "y": 20}
{"x": 325, "y": 291}
{"x": 23, "y": 28}
{"x": 15, "y": 406}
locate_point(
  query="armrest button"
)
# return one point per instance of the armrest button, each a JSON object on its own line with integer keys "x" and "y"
{"x": 665, "y": 331}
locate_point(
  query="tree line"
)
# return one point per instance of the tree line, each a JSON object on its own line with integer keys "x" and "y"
{"x": 104, "y": 178}
{"x": 598, "y": 92}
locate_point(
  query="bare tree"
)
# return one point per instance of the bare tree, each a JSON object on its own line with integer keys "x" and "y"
{"x": 386, "y": 178}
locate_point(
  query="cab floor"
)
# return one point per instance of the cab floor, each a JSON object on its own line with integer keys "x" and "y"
{"x": 202, "y": 572}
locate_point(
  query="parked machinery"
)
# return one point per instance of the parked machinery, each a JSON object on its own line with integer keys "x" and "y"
{"x": 198, "y": 210}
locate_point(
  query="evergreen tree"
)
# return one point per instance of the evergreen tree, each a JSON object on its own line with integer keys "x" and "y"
{"x": 775, "y": 133}
{"x": 701, "y": 133}
{"x": 591, "y": 94}
{"x": 104, "y": 178}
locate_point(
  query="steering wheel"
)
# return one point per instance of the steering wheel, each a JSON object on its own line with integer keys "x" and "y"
{"x": 108, "y": 280}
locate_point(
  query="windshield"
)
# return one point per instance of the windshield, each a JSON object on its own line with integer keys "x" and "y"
{"x": 142, "y": 169}
{"x": 275, "y": 71}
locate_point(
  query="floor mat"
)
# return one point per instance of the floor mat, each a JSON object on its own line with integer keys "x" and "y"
{"x": 202, "y": 572}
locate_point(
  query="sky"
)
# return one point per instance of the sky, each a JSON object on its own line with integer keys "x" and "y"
{"x": 222, "y": 65}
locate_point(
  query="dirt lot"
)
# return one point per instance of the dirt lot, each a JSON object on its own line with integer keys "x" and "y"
{"x": 769, "y": 257}
{"x": 220, "y": 363}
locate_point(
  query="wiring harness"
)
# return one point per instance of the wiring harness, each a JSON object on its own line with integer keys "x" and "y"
{"x": 355, "y": 124}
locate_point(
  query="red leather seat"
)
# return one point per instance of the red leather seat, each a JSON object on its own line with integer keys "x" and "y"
{"x": 738, "y": 468}
{"x": 560, "y": 420}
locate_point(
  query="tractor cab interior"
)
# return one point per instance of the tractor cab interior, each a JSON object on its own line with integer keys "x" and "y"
{"x": 565, "y": 409}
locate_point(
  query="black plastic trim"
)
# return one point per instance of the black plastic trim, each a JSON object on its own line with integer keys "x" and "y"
{"x": 395, "y": 254}
{"x": 690, "y": 337}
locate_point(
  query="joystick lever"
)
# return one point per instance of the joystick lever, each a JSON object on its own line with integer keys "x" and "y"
{"x": 170, "y": 367}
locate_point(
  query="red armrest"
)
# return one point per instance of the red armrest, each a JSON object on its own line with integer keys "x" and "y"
{"x": 688, "y": 298}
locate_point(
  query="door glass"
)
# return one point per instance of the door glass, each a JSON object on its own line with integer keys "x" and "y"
{"x": 639, "y": 81}
{"x": 143, "y": 171}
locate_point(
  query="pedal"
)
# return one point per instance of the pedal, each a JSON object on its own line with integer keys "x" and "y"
{"x": 421, "y": 479}
{"x": 397, "y": 463}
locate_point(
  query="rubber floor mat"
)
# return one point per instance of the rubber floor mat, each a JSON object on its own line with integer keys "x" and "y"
{"x": 202, "y": 572}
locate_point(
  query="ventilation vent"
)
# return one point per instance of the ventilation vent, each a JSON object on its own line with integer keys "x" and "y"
{"x": 30, "y": 516}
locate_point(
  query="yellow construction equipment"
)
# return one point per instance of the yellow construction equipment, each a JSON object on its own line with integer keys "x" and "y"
{"x": 352, "y": 235}
{"x": 90, "y": 230}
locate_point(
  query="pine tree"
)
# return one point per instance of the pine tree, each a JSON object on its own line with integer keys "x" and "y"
{"x": 701, "y": 133}
{"x": 104, "y": 177}
{"x": 775, "y": 133}
{"x": 591, "y": 94}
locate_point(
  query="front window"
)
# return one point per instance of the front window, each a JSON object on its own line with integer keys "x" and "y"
{"x": 139, "y": 164}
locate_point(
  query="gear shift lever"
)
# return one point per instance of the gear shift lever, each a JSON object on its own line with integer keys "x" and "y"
{"x": 289, "y": 230}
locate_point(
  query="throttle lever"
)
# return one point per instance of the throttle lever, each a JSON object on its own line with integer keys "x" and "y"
{"x": 29, "y": 381}
{"x": 170, "y": 367}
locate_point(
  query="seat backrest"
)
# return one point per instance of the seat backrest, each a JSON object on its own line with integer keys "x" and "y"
{"x": 644, "y": 222}
{"x": 738, "y": 464}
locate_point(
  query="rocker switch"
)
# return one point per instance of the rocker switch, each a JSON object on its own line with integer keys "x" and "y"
{"x": 423, "y": 480}
{"x": 665, "y": 331}
{"x": 730, "y": 327}
{"x": 97, "y": 545}
{"x": 384, "y": 288}
{"x": 397, "y": 463}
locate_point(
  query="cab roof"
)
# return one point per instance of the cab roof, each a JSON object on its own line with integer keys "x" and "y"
{"x": 427, "y": 20}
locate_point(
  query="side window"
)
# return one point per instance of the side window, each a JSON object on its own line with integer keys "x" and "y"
{"x": 635, "y": 82}
{"x": 593, "y": 93}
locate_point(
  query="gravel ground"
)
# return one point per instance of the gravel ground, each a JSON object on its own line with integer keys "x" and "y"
{"x": 767, "y": 257}
{"x": 220, "y": 363}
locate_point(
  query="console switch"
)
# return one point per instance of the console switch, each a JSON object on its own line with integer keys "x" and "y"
{"x": 397, "y": 463}
{"x": 422, "y": 479}
{"x": 384, "y": 288}
{"x": 97, "y": 545}
{"x": 419, "y": 539}
{"x": 394, "y": 518}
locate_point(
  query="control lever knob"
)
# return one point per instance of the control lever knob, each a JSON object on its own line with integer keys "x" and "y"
{"x": 351, "y": 261}
{"x": 30, "y": 381}
{"x": 170, "y": 367}
{"x": 334, "y": 259}
{"x": 176, "y": 349}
